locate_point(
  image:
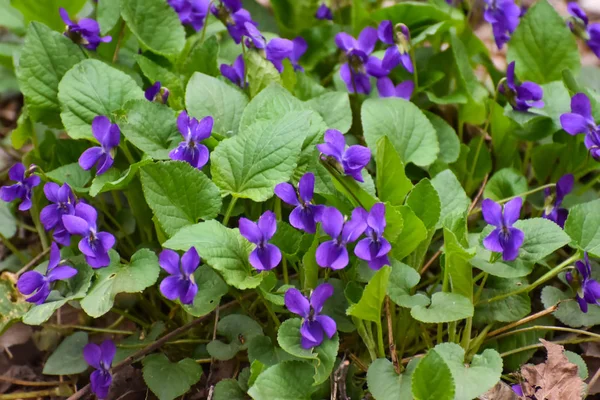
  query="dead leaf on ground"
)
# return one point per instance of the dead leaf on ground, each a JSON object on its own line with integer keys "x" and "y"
{"x": 556, "y": 379}
{"x": 19, "y": 333}
{"x": 501, "y": 391}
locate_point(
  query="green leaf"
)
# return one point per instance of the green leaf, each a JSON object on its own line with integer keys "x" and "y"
{"x": 336, "y": 306}
{"x": 290, "y": 380}
{"x": 201, "y": 57}
{"x": 445, "y": 307}
{"x": 413, "y": 233}
{"x": 385, "y": 384}
{"x": 11, "y": 18}
{"x": 10, "y": 312}
{"x": 509, "y": 309}
{"x": 582, "y": 226}
{"x": 402, "y": 279}
{"x": 252, "y": 163}
{"x": 108, "y": 13}
{"x": 542, "y": 45}
{"x": 45, "y": 58}
{"x": 391, "y": 188}
{"x": 169, "y": 380}
{"x": 507, "y": 182}
{"x": 542, "y": 238}
{"x": 228, "y": 389}
{"x": 72, "y": 174}
{"x": 504, "y": 143}
{"x": 210, "y": 290}
{"x": 369, "y": 306}
{"x": 457, "y": 264}
{"x": 47, "y": 11}
{"x": 433, "y": 369}
{"x": 471, "y": 380}
{"x": 179, "y": 194}
{"x": 327, "y": 353}
{"x": 576, "y": 359}
{"x": 413, "y": 14}
{"x": 93, "y": 88}
{"x": 334, "y": 107}
{"x": 115, "y": 180}
{"x": 404, "y": 123}
{"x": 287, "y": 238}
{"x": 502, "y": 269}
{"x": 261, "y": 348}
{"x": 272, "y": 104}
{"x": 223, "y": 249}
{"x": 206, "y": 95}
{"x": 239, "y": 331}
{"x": 452, "y": 195}
{"x": 8, "y": 222}
{"x": 447, "y": 138}
{"x": 157, "y": 73}
{"x": 155, "y": 24}
{"x": 260, "y": 73}
{"x": 141, "y": 273}
{"x": 424, "y": 201}
{"x": 67, "y": 359}
{"x": 294, "y": 17}
{"x": 568, "y": 311}
{"x": 288, "y": 337}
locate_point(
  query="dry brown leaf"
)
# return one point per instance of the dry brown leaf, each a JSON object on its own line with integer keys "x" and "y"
{"x": 501, "y": 391}
{"x": 556, "y": 379}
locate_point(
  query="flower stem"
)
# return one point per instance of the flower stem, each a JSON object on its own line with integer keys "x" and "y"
{"x": 229, "y": 209}
{"x": 270, "y": 311}
{"x": 506, "y": 200}
{"x": 522, "y": 321}
{"x": 286, "y": 278}
{"x": 13, "y": 249}
{"x": 91, "y": 329}
{"x": 35, "y": 215}
{"x": 549, "y": 328}
{"x": 120, "y": 40}
{"x": 380, "y": 347}
{"x": 538, "y": 345}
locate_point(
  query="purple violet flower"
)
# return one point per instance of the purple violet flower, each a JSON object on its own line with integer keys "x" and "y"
{"x": 157, "y": 93}
{"x": 86, "y": 32}
{"x": 581, "y": 121}
{"x": 360, "y": 64}
{"x": 504, "y": 15}
{"x": 191, "y": 12}
{"x": 63, "y": 203}
{"x": 193, "y": 131}
{"x": 235, "y": 72}
{"x": 180, "y": 282}
{"x": 100, "y": 358}
{"x": 93, "y": 244}
{"x": 552, "y": 211}
{"x": 399, "y": 39}
{"x": 386, "y": 88}
{"x": 351, "y": 161}
{"x": 314, "y": 325}
{"x": 306, "y": 214}
{"x": 300, "y": 47}
{"x": 234, "y": 17}
{"x": 505, "y": 239}
{"x": 324, "y": 12}
{"x": 22, "y": 189}
{"x": 109, "y": 136}
{"x": 588, "y": 289}
{"x": 333, "y": 254}
{"x": 278, "y": 50}
{"x": 374, "y": 248}
{"x": 521, "y": 96}
{"x": 517, "y": 389}
{"x": 38, "y": 284}
{"x": 265, "y": 256}
{"x": 579, "y": 25}
{"x": 254, "y": 38}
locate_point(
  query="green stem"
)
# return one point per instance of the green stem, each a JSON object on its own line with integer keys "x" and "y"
{"x": 229, "y": 209}
{"x": 286, "y": 278}
{"x": 131, "y": 317}
{"x": 548, "y": 328}
{"x": 13, "y": 249}
{"x": 205, "y": 24}
{"x": 506, "y": 200}
{"x": 35, "y": 215}
{"x": 115, "y": 56}
{"x": 59, "y": 391}
{"x": 466, "y": 336}
{"x": 380, "y": 346}
{"x": 537, "y": 346}
{"x": 270, "y": 312}
{"x": 543, "y": 279}
{"x": 414, "y": 63}
{"x": 91, "y": 329}
{"x": 127, "y": 153}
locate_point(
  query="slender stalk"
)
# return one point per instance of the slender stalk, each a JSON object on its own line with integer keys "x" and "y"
{"x": 286, "y": 278}
{"x": 592, "y": 382}
{"x": 522, "y": 321}
{"x": 229, "y": 209}
{"x": 91, "y": 329}
{"x": 60, "y": 391}
{"x": 527, "y": 193}
{"x": 466, "y": 336}
{"x": 13, "y": 249}
{"x": 430, "y": 261}
{"x": 35, "y": 260}
{"x": 549, "y": 328}
{"x": 131, "y": 317}
{"x": 21, "y": 382}
{"x": 380, "y": 346}
{"x": 389, "y": 309}
{"x": 205, "y": 24}
{"x": 270, "y": 312}
{"x": 115, "y": 56}
{"x": 35, "y": 215}
{"x": 537, "y": 346}
{"x": 366, "y": 336}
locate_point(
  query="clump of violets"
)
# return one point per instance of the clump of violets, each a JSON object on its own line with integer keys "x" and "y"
{"x": 333, "y": 253}
{"x": 359, "y": 62}
{"x": 350, "y": 161}
{"x": 93, "y": 244}
{"x": 581, "y": 121}
{"x": 85, "y": 32}
{"x": 235, "y": 73}
{"x": 265, "y": 256}
{"x": 314, "y": 325}
{"x": 22, "y": 189}
{"x": 157, "y": 93}
{"x": 191, "y": 12}
{"x": 552, "y": 209}
{"x": 305, "y": 214}
{"x": 109, "y": 136}
{"x": 180, "y": 283}
{"x": 399, "y": 39}
{"x": 193, "y": 131}
{"x": 504, "y": 16}
{"x": 505, "y": 239}
{"x": 324, "y": 13}
{"x": 521, "y": 95}
{"x": 39, "y": 285}
{"x": 588, "y": 289}
{"x": 403, "y": 90}
{"x": 374, "y": 248}
{"x": 579, "y": 24}
{"x": 100, "y": 358}
{"x": 63, "y": 202}
{"x": 233, "y": 16}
